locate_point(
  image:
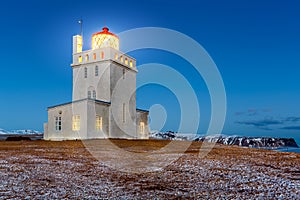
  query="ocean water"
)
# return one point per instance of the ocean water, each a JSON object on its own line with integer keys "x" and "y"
{"x": 289, "y": 149}
{"x": 281, "y": 149}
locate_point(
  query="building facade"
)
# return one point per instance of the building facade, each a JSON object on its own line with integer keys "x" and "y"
{"x": 103, "y": 99}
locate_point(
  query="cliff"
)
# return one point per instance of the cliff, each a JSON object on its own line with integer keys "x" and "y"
{"x": 264, "y": 142}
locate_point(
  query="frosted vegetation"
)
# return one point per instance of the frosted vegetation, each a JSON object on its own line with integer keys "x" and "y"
{"x": 57, "y": 170}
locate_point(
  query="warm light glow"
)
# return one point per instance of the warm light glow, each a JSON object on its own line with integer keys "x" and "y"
{"x": 80, "y": 59}
{"x": 142, "y": 127}
{"x": 105, "y": 39}
{"x": 79, "y": 44}
{"x": 131, "y": 64}
{"x": 126, "y": 61}
{"x": 98, "y": 123}
{"x": 76, "y": 123}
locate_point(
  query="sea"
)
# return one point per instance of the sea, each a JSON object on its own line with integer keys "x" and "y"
{"x": 288, "y": 149}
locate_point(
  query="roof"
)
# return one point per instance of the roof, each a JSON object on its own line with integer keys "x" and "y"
{"x": 64, "y": 104}
{"x": 141, "y": 110}
{"x": 95, "y": 100}
{"x": 105, "y": 31}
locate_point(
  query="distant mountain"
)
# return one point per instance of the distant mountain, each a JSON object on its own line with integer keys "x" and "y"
{"x": 170, "y": 135}
{"x": 264, "y": 142}
{"x": 19, "y": 132}
{"x": 2, "y": 131}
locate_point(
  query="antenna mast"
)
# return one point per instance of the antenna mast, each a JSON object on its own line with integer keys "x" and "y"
{"x": 80, "y": 22}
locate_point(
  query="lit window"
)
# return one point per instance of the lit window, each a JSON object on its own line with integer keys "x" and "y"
{"x": 142, "y": 127}
{"x": 96, "y": 71}
{"x": 89, "y": 95}
{"x": 116, "y": 56}
{"x": 126, "y": 61}
{"x": 102, "y": 55}
{"x": 58, "y": 123}
{"x": 94, "y": 94}
{"x": 121, "y": 58}
{"x": 95, "y": 56}
{"x": 86, "y": 57}
{"x": 80, "y": 59}
{"x": 124, "y": 73}
{"x": 123, "y": 112}
{"x": 76, "y": 123}
{"x": 85, "y": 72}
{"x": 131, "y": 64}
{"x": 98, "y": 123}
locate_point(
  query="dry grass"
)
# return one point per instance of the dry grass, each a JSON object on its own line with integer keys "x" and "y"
{"x": 47, "y": 169}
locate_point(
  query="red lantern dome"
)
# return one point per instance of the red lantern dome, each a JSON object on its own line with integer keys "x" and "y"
{"x": 105, "y": 39}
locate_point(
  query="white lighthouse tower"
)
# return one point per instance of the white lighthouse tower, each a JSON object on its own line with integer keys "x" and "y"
{"x": 104, "y": 100}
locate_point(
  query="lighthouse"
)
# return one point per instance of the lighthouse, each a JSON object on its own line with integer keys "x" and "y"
{"x": 103, "y": 97}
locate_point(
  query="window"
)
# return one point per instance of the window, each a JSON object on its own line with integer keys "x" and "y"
{"x": 116, "y": 56}
{"x": 98, "y": 123}
{"x": 85, "y": 72}
{"x": 123, "y": 112}
{"x": 58, "y": 123}
{"x": 95, "y": 56}
{"x": 102, "y": 55}
{"x": 131, "y": 64}
{"x": 76, "y": 123}
{"x": 89, "y": 95}
{"x": 124, "y": 73}
{"x": 126, "y": 61}
{"x": 86, "y": 57}
{"x": 80, "y": 59}
{"x": 121, "y": 58}
{"x": 142, "y": 127}
{"x": 96, "y": 70}
{"x": 94, "y": 94}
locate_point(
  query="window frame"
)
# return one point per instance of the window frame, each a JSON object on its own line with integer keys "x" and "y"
{"x": 58, "y": 123}
{"x": 142, "y": 128}
{"x": 94, "y": 94}
{"x": 130, "y": 63}
{"x": 80, "y": 59}
{"x": 99, "y": 123}
{"x": 85, "y": 72}
{"x": 96, "y": 70}
{"x": 75, "y": 122}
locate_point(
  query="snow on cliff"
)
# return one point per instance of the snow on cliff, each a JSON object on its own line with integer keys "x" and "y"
{"x": 19, "y": 132}
{"x": 266, "y": 142}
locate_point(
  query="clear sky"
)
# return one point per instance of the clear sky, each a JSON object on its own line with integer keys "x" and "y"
{"x": 255, "y": 44}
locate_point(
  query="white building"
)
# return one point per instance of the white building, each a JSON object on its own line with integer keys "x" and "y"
{"x": 104, "y": 100}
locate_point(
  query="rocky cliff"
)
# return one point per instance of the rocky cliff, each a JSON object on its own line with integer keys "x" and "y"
{"x": 265, "y": 142}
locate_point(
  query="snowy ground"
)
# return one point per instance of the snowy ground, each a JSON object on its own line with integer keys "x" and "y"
{"x": 48, "y": 170}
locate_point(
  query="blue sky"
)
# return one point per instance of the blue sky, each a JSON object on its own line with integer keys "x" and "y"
{"x": 255, "y": 44}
